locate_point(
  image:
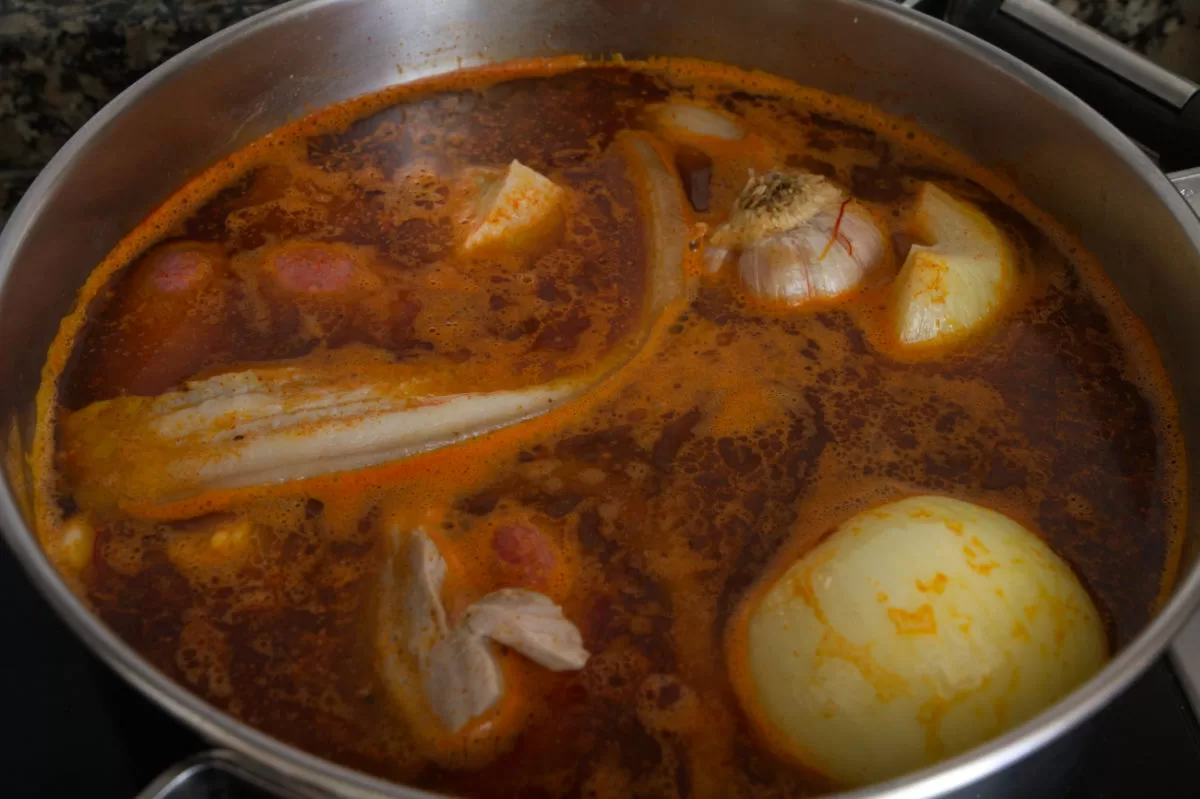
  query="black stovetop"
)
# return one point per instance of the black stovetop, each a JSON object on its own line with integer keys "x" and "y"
{"x": 72, "y": 728}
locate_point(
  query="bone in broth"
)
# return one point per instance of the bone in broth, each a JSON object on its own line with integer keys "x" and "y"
{"x": 572, "y": 429}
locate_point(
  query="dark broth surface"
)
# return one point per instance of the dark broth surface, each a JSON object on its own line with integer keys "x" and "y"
{"x": 747, "y": 429}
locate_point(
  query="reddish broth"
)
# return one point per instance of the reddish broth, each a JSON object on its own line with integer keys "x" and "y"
{"x": 647, "y": 511}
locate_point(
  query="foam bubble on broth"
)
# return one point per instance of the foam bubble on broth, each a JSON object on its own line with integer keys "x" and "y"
{"x": 747, "y": 431}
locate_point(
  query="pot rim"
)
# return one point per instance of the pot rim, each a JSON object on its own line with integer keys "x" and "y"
{"x": 309, "y": 770}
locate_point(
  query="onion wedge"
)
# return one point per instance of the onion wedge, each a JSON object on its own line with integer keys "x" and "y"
{"x": 519, "y": 209}
{"x": 961, "y": 280}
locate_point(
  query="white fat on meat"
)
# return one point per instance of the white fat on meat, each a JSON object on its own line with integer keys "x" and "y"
{"x": 423, "y": 598}
{"x": 461, "y": 677}
{"x": 455, "y": 666}
{"x": 275, "y": 424}
{"x": 797, "y": 238}
{"x": 530, "y": 623}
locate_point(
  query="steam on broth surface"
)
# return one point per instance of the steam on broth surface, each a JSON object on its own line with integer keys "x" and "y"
{"x": 519, "y": 386}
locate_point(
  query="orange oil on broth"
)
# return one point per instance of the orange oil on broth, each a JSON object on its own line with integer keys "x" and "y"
{"x": 743, "y": 432}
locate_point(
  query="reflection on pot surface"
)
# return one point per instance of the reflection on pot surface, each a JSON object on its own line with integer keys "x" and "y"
{"x": 650, "y": 428}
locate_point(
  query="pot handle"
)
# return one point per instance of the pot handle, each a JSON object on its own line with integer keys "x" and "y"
{"x": 216, "y": 773}
{"x": 1188, "y": 183}
{"x": 1153, "y": 106}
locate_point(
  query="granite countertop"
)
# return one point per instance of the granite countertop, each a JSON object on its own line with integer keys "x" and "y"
{"x": 1166, "y": 31}
{"x": 61, "y": 60}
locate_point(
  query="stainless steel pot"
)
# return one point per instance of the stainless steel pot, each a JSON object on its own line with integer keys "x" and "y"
{"x": 248, "y": 80}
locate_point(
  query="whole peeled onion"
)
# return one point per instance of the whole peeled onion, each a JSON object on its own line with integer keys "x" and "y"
{"x": 914, "y": 632}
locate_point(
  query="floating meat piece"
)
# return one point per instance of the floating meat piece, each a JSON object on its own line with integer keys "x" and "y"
{"x": 329, "y": 291}
{"x": 167, "y": 322}
{"x": 798, "y": 238}
{"x": 275, "y": 424}
{"x": 525, "y": 550}
{"x": 455, "y": 668}
{"x": 316, "y": 270}
{"x": 457, "y": 672}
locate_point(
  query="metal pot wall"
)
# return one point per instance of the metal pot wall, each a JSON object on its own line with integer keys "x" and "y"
{"x": 250, "y": 79}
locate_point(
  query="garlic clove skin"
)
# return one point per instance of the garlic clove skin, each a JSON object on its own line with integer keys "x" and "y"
{"x": 775, "y": 202}
{"x": 797, "y": 238}
{"x": 821, "y": 260}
